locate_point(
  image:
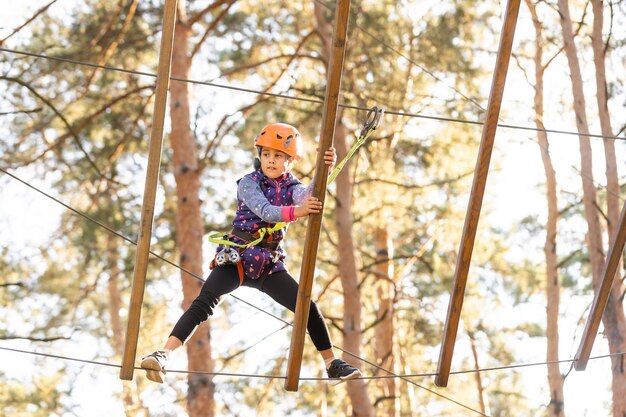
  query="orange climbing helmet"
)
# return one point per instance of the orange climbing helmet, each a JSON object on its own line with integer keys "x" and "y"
{"x": 282, "y": 137}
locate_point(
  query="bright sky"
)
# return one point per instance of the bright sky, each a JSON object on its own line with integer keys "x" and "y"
{"x": 30, "y": 218}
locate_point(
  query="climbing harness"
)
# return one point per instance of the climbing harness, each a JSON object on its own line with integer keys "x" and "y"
{"x": 257, "y": 239}
{"x": 230, "y": 253}
{"x": 226, "y": 256}
{"x": 372, "y": 122}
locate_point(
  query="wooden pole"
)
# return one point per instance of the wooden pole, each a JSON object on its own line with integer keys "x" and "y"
{"x": 149, "y": 195}
{"x": 602, "y": 295}
{"x": 311, "y": 242}
{"x": 478, "y": 190}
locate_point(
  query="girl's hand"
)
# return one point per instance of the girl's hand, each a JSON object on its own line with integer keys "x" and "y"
{"x": 330, "y": 157}
{"x": 309, "y": 206}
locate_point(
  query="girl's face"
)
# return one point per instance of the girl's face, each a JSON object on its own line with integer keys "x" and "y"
{"x": 274, "y": 163}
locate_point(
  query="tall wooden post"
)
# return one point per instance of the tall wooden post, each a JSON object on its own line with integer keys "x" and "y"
{"x": 149, "y": 195}
{"x": 602, "y": 295}
{"x": 478, "y": 190}
{"x": 311, "y": 242}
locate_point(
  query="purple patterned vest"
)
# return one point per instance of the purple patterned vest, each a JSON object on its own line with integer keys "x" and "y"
{"x": 258, "y": 261}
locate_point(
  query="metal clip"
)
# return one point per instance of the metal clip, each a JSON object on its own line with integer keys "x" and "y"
{"x": 222, "y": 258}
{"x": 233, "y": 256}
{"x": 372, "y": 121}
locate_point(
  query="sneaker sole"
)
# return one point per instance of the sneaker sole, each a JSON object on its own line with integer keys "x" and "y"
{"x": 337, "y": 381}
{"x": 153, "y": 370}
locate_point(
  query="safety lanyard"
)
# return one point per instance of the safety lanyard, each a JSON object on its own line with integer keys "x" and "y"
{"x": 372, "y": 122}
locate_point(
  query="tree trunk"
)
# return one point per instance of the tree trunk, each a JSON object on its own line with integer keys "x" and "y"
{"x": 612, "y": 197}
{"x": 553, "y": 285}
{"x": 482, "y": 398}
{"x": 352, "y": 331}
{"x": 114, "y": 304}
{"x": 409, "y": 403}
{"x": 130, "y": 397}
{"x": 388, "y": 395}
{"x": 322, "y": 388}
{"x": 189, "y": 228}
{"x": 594, "y": 233}
{"x": 612, "y": 320}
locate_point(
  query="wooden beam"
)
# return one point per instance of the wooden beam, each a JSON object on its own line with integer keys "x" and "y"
{"x": 149, "y": 194}
{"x": 329, "y": 116}
{"x": 478, "y": 190}
{"x": 601, "y": 297}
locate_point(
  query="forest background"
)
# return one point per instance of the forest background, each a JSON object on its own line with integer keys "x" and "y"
{"x": 78, "y": 82}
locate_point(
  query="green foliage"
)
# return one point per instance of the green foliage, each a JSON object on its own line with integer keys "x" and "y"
{"x": 84, "y": 130}
{"x": 42, "y": 399}
{"x": 13, "y": 278}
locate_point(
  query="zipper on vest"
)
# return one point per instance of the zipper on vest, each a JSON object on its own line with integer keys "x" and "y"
{"x": 277, "y": 193}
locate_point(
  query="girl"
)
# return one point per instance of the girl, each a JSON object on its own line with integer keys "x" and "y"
{"x": 268, "y": 195}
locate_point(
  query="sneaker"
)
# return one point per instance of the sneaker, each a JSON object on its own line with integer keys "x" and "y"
{"x": 340, "y": 371}
{"x": 154, "y": 364}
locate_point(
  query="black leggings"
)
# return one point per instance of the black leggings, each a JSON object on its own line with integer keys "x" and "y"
{"x": 281, "y": 286}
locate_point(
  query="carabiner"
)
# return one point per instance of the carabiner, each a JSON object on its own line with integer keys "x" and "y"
{"x": 372, "y": 121}
{"x": 374, "y": 117}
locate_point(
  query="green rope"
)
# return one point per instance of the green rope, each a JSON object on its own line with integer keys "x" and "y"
{"x": 374, "y": 117}
{"x": 219, "y": 237}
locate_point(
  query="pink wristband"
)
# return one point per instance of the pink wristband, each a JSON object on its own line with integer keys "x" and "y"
{"x": 287, "y": 213}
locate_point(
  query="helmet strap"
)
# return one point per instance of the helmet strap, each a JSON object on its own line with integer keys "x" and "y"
{"x": 257, "y": 159}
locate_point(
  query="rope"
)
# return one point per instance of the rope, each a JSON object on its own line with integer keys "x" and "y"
{"x": 266, "y": 376}
{"x": 391, "y": 374}
{"x": 91, "y": 219}
{"x": 228, "y": 374}
{"x": 237, "y": 298}
{"x": 402, "y": 55}
{"x": 315, "y": 101}
{"x": 397, "y": 113}
{"x": 355, "y": 146}
{"x": 234, "y": 374}
{"x": 333, "y": 175}
{"x": 192, "y": 274}
{"x": 118, "y": 234}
